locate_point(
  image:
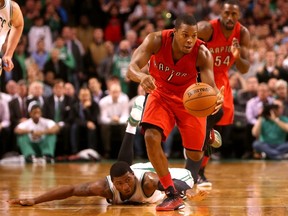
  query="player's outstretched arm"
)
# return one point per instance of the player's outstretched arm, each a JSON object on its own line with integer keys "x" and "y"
{"x": 98, "y": 188}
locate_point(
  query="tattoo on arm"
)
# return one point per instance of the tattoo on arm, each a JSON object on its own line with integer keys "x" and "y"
{"x": 83, "y": 190}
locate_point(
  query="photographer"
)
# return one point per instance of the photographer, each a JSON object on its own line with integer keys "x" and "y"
{"x": 270, "y": 131}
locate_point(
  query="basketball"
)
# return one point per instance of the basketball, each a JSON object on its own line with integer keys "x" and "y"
{"x": 200, "y": 99}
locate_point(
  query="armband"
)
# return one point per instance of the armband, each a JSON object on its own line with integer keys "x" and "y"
{"x": 180, "y": 186}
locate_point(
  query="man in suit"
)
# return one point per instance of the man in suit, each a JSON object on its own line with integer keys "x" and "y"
{"x": 18, "y": 108}
{"x": 84, "y": 118}
{"x": 57, "y": 107}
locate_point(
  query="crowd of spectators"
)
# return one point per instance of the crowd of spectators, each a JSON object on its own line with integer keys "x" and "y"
{"x": 76, "y": 53}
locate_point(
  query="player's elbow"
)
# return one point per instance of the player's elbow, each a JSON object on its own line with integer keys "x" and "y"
{"x": 243, "y": 69}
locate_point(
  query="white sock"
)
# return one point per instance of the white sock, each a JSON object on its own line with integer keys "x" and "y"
{"x": 131, "y": 129}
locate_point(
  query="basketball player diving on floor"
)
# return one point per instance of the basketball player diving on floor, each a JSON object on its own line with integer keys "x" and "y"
{"x": 126, "y": 184}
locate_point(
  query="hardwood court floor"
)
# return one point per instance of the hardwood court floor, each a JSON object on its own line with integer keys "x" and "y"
{"x": 253, "y": 188}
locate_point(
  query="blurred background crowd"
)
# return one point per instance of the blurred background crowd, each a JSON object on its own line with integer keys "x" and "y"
{"x": 73, "y": 58}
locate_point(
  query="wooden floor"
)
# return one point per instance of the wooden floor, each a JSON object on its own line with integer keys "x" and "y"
{"x": 239, "y": 188}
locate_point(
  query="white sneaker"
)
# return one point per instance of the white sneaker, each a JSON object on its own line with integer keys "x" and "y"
{"x": 136, "y": 111}
{"x": 39, "y": 161}
{"x": 215, "y": 139}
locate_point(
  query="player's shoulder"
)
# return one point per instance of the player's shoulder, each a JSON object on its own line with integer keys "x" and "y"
{"x": 203, "y": 50}
{"x": 155, "y": 37}
{"x": 244, "y": 35}
{"x": 17, "y": 18}
{"x": 244, "y": 30}
{"x": 204, "y": 55}
{"x": 204, "y": 25}
{"x": 15, "y": 5}
{"x": 205, "y": 30}
{"x": 153, "y": 41}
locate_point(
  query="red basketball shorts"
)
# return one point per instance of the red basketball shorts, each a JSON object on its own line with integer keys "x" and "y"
{"x": 164, "y": 111}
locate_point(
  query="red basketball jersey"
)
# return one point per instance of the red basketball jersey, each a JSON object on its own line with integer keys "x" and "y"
{"x": 173, "y": 78}
{"x": 220, "y": 47}
{"x": 164, "y": 106}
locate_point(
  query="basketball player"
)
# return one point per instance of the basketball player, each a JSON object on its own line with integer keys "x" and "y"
{"x": 228, "y": 41}
{"x": 11, "y": 23}
{"x": 124, "y": 185}
{"x": 173, "y": 57}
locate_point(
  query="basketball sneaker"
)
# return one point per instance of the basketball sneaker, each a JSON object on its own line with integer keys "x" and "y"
{"x": 202, "y": 181}
{"x": 172, "y": 202}
{"x": 136, "y": 111}
{"x": 215, "y": 139}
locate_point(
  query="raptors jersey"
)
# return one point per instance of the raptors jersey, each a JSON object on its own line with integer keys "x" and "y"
{"x": 173, "y": 78}
{"x": 138, "y": 196}
{"x": 5, "y": 19}
{"x": 220, "y": 47}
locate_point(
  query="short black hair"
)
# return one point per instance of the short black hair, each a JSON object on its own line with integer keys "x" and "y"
{"x": 185, "y": 19}
{"x": 119, "y": 168}
{"x": 231, "y": 2}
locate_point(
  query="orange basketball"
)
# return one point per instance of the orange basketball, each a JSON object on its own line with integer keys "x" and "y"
{"x": 200, "y": 99}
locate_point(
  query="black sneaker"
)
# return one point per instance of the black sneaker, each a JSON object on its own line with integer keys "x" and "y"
{"x": 30, "y": 159}
{"x": 49, "y": 159}
{"x": 202, "y": 181}
{"x": 172, "y": 202}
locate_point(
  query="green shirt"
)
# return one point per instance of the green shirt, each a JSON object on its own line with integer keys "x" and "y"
{"x": 120, "y": 67}
{"x": 271, "y": 133}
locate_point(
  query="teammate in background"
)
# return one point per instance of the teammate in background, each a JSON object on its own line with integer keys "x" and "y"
{"x": 126, "y": 184}
{"x": 228, "y": 42}
{"x": 173, "y": 57}
{"x": 11, "y": 23}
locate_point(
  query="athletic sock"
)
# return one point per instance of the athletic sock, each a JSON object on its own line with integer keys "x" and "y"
{"x": 126, "y": 152}
{"x": 205, "y": 161}
{"x": 131, "y": 129}
{"x": 193, "y": 167}
{"x": 166, "y": 181}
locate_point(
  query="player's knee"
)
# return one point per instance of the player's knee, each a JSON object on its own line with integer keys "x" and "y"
{"x": 152, "y": 138}
{"x": 194, "y": 155}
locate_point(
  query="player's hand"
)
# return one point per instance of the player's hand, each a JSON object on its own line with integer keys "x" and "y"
{"x": 199, "y": 196}
{"x": 148, "y": 83}
{"x": 23, "y": 202}
{"x": 220, "y": 100}
{"x": 7, "y": 63}
{"x": 235, "y": 48}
